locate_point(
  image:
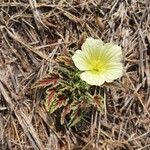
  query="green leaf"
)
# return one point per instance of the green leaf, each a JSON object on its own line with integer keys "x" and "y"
{"x": 77, "y": 108}
{"x": 58, "y": 103}
{"x": 79, "y": 104}
{"x": 65, "y": 112}
{"x": 50, "y": 97}
{"x": 76, "y": 116}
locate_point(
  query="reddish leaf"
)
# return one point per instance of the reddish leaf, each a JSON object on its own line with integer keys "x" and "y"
{"x": 75, "y": 117}
{"x": 58, "y": 103}
{"x": 84, "y": 105}
{"x": 66, "y": 110}
{"x": 49, "y": 99}
{"x": 61, "y": 102}
{"x": 76, "y": 104}
{"x": 46, "y": 81}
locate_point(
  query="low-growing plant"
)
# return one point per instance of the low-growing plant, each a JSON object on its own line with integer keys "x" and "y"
{"x": 66, "y": 90}
{"x": 78, "y": 79}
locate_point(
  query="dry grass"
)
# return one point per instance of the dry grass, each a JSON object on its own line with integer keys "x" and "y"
{"x": 32, "y": 32}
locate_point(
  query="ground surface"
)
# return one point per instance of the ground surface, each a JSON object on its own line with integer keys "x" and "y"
{"x": 32, "y": 32}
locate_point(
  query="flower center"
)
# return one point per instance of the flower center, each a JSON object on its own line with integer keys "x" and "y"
{"x": 97, "y": 66}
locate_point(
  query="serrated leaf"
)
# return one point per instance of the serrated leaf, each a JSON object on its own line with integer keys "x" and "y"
{"x": 46, "y": 81}
{"x": 49, "y": 98}
{"x": 98, "y": 102}
{"x": 65, "y": 112}
{"x": 78, "y": 104}
{"x": 77, "y": 108}
{"x": 58, "y": 103}
{"x": 75, "y": 105}
{"x": 76, "y": 116}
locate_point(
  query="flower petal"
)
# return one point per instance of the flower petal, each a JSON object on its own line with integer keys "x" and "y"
{"x": 91, "y": 43}
{"x": 79, "y": 60}
{"x": 93, "y": 78}
{"x": 114, "y": 71}
{"x": 101, "y": 62}
{"x": 91, "y": 47}
{"x": 112, "y": 52}
{"x": 98, "y": 78}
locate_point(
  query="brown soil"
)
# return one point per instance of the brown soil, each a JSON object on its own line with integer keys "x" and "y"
{"x": 32, "y": 32}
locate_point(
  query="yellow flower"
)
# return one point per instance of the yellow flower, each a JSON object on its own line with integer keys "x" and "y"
{"x": 99, "y": 62}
